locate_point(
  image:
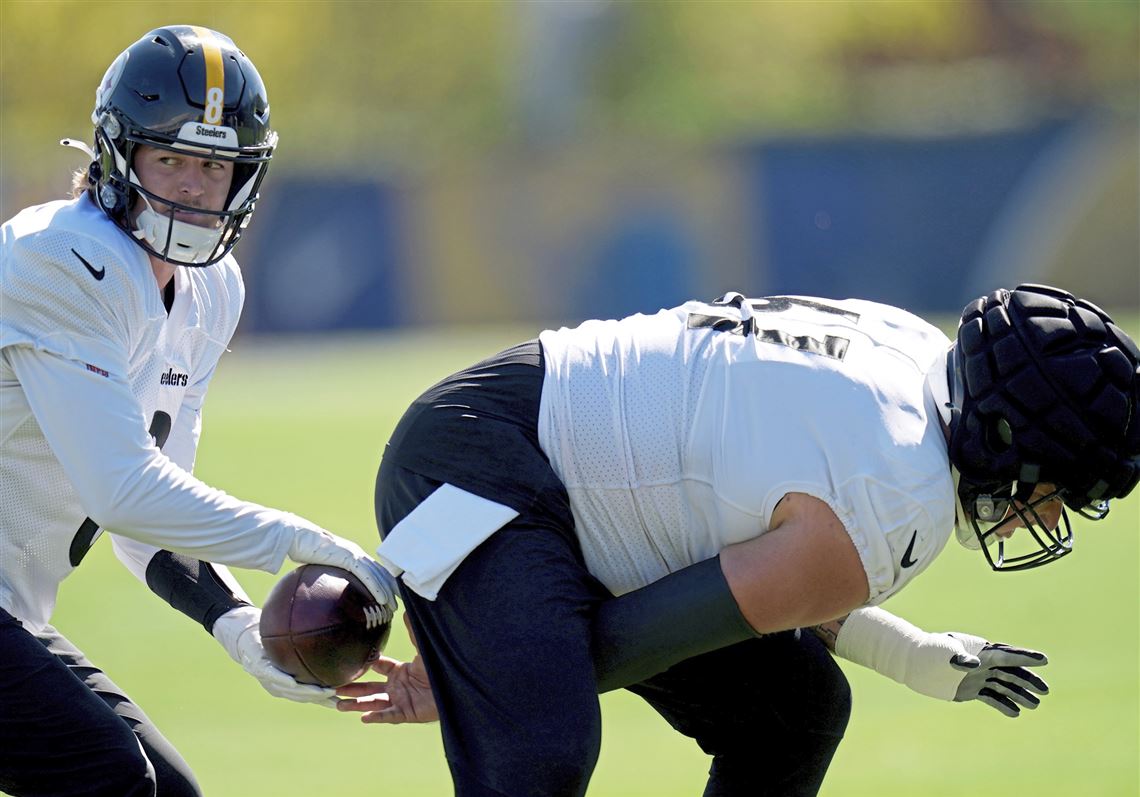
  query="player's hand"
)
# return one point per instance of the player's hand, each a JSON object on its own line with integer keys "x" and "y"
{"x": 997, "y": 674}
{"x": 311, "y": 546}
{"x": 237, "y": 631}
{"x": 404, "y": 696}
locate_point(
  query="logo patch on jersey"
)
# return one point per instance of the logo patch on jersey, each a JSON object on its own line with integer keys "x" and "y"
{"x": 907, "y": 561}
{"x": 173, "y": 379}
{"x": 96, "y": 273}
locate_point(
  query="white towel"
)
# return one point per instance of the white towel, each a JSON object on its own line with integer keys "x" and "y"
{"x": 427, "y": 545}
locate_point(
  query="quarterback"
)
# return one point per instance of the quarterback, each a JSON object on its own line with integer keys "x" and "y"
{"x": 115, "y": 307}
{"x": 703, "y": 504}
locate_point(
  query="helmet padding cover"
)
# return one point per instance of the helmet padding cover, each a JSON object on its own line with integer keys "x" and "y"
{"x": 1047, "y": 391}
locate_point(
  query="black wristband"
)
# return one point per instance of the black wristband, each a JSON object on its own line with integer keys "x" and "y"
{"x": 192, "y": 587}
{"x": 647, "y": 631}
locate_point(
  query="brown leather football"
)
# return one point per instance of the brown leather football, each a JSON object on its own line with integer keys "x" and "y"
{"x": 321, "y": 625}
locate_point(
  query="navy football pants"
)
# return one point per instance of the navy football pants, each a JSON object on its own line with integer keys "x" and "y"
{"x": 507, "y": 640}
{"x": 67, "y": 729}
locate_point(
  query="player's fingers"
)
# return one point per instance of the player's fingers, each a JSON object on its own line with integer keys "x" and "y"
{"x": 1024, "y": 678}
{"x": 1022, "y": 697}
{"x": 362, "y": 689}
{"x": 386, "y": 716}
{"x": 1006, "y": 656}
{"x": 1000, "y": 702}
{"x": 289, "y": 689}
{"x": 363, "y": 704}
{"x": 385, "y": 665}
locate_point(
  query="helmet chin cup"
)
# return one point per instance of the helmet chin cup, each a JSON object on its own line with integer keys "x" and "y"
{"x": 963, "y": 526}
{"x": 174, "y": 240}
{"x": 966, "y": 536}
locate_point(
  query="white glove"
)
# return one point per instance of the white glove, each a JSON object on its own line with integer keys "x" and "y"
{"x": 933, "y": 664}
{"x": 996, "y": 674}
{"x": 311, "y": 546}
{"x": 237, "y": 631}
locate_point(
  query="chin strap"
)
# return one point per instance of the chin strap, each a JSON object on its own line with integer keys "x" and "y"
{"x": 188, "y": 243}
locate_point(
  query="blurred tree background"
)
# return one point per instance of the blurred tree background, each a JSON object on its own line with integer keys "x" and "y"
{"x": 407, "y": 86}
{"x": 500, "y": 132}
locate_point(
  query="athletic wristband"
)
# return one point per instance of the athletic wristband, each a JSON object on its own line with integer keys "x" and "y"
{"x": 903, "y": 652}
{"x": 647, "y": 631}
{"x": 192, "y": 587}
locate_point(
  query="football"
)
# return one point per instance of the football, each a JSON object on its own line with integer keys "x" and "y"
{"x": 321, "y": 625}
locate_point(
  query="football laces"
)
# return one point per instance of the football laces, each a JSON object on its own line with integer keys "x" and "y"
{"x": 373, "y": 616}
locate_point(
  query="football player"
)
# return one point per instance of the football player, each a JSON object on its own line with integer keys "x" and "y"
{"x": 117, "y": 305}
{"x": 674, "y": 503}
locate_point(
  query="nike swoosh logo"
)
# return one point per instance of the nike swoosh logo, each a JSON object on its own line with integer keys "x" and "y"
{"x": 96, "y": 273}
{"x": 906, "y": 560}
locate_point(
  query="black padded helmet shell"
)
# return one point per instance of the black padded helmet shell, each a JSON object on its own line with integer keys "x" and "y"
{"x": 1048, "y": 388}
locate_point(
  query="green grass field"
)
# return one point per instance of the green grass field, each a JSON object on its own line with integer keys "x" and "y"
{"x": 300, "y": 425}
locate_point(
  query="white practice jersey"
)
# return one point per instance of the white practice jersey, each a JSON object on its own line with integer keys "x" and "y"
{"x": 676, "y": 434}
{"x": 89, "y": 358}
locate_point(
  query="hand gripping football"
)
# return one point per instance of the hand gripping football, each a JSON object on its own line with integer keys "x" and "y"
{"x": 320, "y": 625}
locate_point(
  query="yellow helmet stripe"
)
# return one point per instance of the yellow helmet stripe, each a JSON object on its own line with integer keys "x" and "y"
{"x": 215, "y": 75}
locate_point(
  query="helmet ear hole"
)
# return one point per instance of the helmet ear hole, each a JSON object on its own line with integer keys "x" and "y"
{"x": 998, "y": 436}
{"x": 1004, "y": 433}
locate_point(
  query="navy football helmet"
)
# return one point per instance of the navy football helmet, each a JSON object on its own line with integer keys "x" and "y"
{"x": 1044, "y": 390}
{"x": 189, "y": 90}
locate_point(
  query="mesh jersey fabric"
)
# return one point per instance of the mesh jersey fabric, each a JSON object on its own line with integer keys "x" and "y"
{"x": 677, "y": 433}
{"x": 81, "y": 297}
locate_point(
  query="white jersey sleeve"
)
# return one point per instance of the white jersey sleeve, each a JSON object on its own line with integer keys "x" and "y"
{"x": 181, "y": 447}
{"x": 69, "y": 291}
{"x": 125, "y": 483}
{"x": 89, "y": 359}
{"x": 677, "y": 434}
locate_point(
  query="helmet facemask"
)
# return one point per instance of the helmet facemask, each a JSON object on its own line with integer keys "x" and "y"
{"x": 189, "y": 91}
{"x": 1033, "y": 542}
